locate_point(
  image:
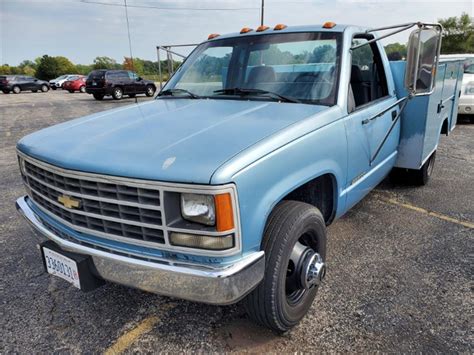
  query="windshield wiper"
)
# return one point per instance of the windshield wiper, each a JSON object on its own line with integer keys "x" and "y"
{"x": 171, "y": 92}
{"x": 243, "y": 92}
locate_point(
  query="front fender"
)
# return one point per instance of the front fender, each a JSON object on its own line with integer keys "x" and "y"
{"x": 262, "y": 184}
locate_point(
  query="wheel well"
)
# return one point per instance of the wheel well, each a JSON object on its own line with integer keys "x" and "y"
{"x": 444, "y": 127}
{"x": 319, "y": 192}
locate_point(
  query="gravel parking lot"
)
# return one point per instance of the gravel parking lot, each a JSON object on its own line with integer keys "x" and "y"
{"x": 399, "y": 279}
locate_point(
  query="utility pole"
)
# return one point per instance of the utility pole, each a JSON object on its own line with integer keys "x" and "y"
{"x": 262, "y": 14}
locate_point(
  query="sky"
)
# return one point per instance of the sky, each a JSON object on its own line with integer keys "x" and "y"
{"x": 84, "y": 29}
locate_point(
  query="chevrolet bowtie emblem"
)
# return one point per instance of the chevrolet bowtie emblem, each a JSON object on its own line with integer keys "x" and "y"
{"x": 69, "y": 202}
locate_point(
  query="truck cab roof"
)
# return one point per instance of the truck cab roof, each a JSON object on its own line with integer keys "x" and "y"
{"x": 292, "y": 29}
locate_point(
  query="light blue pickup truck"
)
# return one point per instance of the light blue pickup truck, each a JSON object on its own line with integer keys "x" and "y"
{"x": 221, "y": 188}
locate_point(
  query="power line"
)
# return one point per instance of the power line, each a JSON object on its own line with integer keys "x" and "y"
{"x": 171, "y": 8}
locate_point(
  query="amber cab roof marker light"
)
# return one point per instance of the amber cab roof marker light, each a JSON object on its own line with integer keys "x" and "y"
{"x": 280, "y": 26}
{"x": 213, "y": 35}
{"x": 262, "y": 28}
{"x": 329, "y": 24}
{"x": 246, "y": 30}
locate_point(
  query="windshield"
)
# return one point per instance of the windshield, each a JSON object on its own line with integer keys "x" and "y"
{"x": 302, "y": 67}
{"x": 61, "y": 77}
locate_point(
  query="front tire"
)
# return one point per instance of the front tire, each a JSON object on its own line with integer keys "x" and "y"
{"x": 295, "y": 233}
{"x": 16, "y": 89}
{"x": 6, "y": 91}
{"x": 44, "y": 88}
{"x": 150, "y": 90}
{"x": 53, "y": 87}
{"x": 98, "y": 97}
{"x": 71, "y": 91}
{"x": 117, "y": 93}
{"x": 82, "y": 89}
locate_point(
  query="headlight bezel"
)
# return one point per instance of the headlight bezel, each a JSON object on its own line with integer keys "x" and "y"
{"x": 178, "y": 224}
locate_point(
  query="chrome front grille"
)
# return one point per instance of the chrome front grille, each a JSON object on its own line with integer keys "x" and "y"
{"x": 111, "y": 209}
{"x": 121, "y": 209}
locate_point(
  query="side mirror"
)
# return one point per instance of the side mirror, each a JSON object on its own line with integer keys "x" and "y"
{"x": 422, "y": 60}
{"x": 139, "y": 78}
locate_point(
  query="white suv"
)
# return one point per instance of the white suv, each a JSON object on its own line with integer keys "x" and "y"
{"x": 466, "y": 101}
{"x": 60, "y": 80}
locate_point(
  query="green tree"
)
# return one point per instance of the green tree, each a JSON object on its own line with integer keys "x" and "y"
{"x": 65, "y": 66}
{"x": 458, "y": 34}
{"x": 136, "y": 65}
{"x": 28, "y": 63}
{"x": 396, "y": 51}
{"x": 83, "y": 69}
{"x": 5, "y": 69}
{"x": 105, "y": 63}
{"x": 52, "y": 67}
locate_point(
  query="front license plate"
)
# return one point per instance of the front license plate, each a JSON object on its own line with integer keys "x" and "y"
{"x": 94, "y": 83}
{"x": 62, "y": 266}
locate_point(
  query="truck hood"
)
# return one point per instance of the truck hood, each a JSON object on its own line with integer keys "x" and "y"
{"x": 180, "y": 140}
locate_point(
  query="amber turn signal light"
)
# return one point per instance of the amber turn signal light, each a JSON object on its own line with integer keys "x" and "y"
{"x": 224, "y": 212}
{"x": 329, "y": 24}
{"x": 262, "y": 28}
{"x": 213, "y": 35}
{"x": 280, "y": 26}
{"x": 246, "y": 30}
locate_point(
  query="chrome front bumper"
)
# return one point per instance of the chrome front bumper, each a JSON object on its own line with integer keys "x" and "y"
{"x": 213, "y": 285}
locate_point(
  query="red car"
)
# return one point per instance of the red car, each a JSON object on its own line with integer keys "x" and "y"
{"x": 77, "y": 83}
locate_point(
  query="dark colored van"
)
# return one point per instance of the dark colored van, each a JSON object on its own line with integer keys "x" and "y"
{"x": 117, "y": 83}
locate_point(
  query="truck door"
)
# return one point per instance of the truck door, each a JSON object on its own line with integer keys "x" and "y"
{"x": 370, "y": 114}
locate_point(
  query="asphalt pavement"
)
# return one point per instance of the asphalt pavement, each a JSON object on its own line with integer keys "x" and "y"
{"x": 400, "y": 270}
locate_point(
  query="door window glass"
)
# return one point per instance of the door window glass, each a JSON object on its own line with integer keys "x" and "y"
{"x": 368, "y": 81}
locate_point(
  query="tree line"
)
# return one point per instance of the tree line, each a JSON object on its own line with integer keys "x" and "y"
{"x": 49, "y": 67}
{"x": 458, "y": 38}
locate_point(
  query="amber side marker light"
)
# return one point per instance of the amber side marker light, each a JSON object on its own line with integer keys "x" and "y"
{"x": 213, "y": 35}
{"x": 329, "y": 24}
{"x": 246, "y": 30}
{"x": 224, "y": 212}
{"x": 279, "y": 27}
{"x": 262, "y": 28}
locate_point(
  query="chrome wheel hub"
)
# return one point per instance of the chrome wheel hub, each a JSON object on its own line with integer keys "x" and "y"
{"x": 306, "y": 270}
{"x": 314, "y": 270}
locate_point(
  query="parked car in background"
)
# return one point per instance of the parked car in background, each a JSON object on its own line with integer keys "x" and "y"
{"x": 117, "y": 83}
{"x": 60, "y": 80}
{"x": 466, "y": 101}
{"x": 19, "y": 83}
{"x": 75, "y": 83}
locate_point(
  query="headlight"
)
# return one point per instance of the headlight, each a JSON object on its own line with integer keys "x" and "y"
{"x": 198, "y": 208}
{"x": 21, "y": 162}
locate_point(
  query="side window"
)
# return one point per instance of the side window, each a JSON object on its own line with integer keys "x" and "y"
{"x": 132, "y": 75}
{"x": 123, "y": 75}
{"x": 368, "y": 80}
